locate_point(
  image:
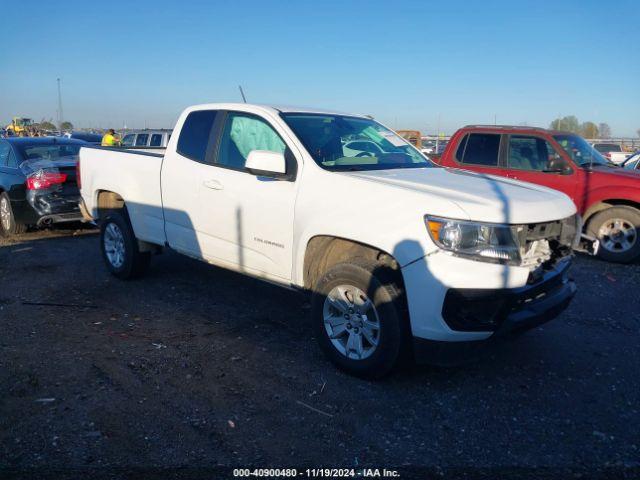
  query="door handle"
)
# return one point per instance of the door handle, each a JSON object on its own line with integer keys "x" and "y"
{"x": 213, "y": 184}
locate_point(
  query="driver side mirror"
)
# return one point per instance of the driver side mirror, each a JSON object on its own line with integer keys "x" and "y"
{"x": 557, "y": 164}
{"x": 266, "y": 163}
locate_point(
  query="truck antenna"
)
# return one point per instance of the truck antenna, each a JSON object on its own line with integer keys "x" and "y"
{"x": 60, "y": 115}
{"x": 244, "y": 99}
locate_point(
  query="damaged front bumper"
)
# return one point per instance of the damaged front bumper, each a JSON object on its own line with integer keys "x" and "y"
{"x": 503, "y": 312}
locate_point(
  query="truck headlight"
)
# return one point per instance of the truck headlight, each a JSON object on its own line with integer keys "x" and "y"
{"x": 485, "y": 242}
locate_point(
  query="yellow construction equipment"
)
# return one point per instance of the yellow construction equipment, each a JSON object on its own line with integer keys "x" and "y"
{"x": 21, "y": 126}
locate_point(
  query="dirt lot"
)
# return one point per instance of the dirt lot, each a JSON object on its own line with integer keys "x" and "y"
{"x": 195, "y": 366}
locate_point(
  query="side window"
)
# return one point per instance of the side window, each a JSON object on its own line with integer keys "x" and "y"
{"x": 127, "y": 141}
{"x": 533, "y": 153}
{"x": 156, "y": 140}
{"x": 13, "y": 160}
{"x": 142, "y": 139}
{"x": 5, "y": 149}
{"x": 242, "y": 134}
{"x": 482, "y": 149}
{"x": 194, "y": 136}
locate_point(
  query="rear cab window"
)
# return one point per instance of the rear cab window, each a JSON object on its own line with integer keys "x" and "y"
{"x": 195, "y": 135}
{"x": 142, "y": 139}
{"x": 156, "y": 140}
{"x": 607, "y": 147}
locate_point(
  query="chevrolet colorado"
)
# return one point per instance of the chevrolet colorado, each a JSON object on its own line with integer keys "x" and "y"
{"x": 401, "y": 257}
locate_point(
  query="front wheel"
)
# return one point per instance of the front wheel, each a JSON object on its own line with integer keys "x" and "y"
{"x": 617, "y": 229}
{"x": 120, "y": 248}
{"x": 359, "y": 319}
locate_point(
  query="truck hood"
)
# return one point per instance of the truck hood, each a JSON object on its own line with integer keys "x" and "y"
{"x": 630, "y": 177}
{"x": 482, "y": 197}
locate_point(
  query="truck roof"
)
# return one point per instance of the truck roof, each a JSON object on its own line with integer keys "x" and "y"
{"x": 269, "y": 107}
{"x": 523, "y": 128}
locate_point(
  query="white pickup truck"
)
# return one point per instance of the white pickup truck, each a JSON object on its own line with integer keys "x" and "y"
{"x": 401, "y": 257}
{"x": 612, "y": 152}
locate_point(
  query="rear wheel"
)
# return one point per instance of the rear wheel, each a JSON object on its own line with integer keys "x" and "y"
{"x": 8, "y": 224}
{"x": 120, "y": 248}
{"x": 617, "y": 229}
{"x": 359, "y": 319}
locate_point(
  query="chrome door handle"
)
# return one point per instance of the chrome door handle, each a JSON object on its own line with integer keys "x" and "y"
{"x": 213, "y": 184}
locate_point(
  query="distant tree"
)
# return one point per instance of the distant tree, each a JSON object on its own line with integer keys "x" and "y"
{"x": 638, "y": 132}
{"x": 46, "y": 125}
{"x": 589, "y": 130}
{"x": 604, "y": 130}
{"x": 569, "y": 123}
{"x": 65, "y": 126}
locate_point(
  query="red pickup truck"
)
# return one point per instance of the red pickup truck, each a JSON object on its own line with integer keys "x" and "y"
{"x": 607, "y": 196}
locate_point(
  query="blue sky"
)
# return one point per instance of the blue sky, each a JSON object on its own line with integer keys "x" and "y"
{"x": 405, "y": 62}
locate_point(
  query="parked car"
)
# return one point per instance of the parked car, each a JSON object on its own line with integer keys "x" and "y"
{"x": 88, "y": 137}
{"x": 146, "y": 138}
{"x": 607, "y": 196}
{"x": 442, "y": 146}
{"x": 398, "y": 255}
{"x": 428, "y": 147}
{"x": 611, "y": 151}
{"x": 632, "y": 162}
{"x": 38, "y": 182}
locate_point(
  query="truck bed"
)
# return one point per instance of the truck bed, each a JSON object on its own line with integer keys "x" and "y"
{"x": 132, "y": 173}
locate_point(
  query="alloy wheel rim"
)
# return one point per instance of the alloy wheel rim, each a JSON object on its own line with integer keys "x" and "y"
{"x": 114, "y": 245}
{"x": 5, "y": 214}
{"x": 351, "y": 322}
{"x": 618, "y": 235}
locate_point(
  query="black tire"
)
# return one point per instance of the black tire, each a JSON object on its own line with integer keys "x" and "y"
{"x": 379, "y": 283}
{"x": 134, "y": 263}
{"x": 13, "y": 228}
{"x": 631, "y": 216}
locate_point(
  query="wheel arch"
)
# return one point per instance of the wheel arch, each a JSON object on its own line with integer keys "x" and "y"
{"x": 324, "y": 251}
{"x": 604, "y": 204}
{"x": 107, "y": 200}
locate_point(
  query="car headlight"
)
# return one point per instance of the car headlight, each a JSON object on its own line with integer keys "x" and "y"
{"x": 479, "y": 241}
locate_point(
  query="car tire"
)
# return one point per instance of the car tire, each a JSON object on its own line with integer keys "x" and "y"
{"x": 618, "y": 231}
{"x": 337, "y": 326}
{"x": 119, "y": 247}
{"x": 8, "y": 224}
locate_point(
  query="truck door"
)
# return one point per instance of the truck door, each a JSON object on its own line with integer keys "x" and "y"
{"x": 533, "y": 159}
{"x": 246, "y": 221}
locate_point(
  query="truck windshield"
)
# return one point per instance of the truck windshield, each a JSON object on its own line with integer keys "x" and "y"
{"x": 343, "y": 143}
{"x": 607, "y": 147}
{"x": 580, "y": 151}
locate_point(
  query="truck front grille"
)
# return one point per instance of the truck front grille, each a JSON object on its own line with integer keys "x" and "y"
{"x": 542, "y": 245}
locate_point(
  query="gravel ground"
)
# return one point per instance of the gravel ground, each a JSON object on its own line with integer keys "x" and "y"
{"x": 194, "y": 366}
